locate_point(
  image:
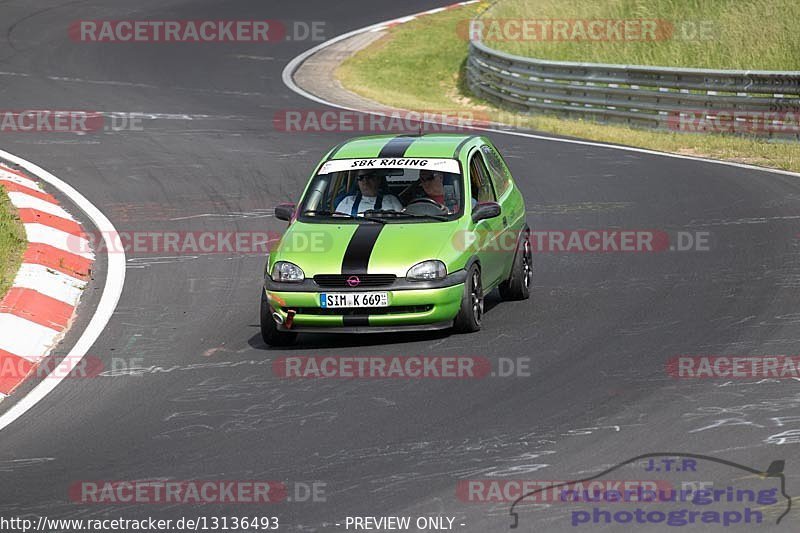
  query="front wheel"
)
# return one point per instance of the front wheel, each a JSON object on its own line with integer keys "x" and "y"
{"x": 518, "y": 284}
{"x": 269, "y": 329}
{"x": 470, "y": 314}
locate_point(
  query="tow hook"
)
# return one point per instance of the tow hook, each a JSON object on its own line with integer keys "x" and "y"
{"x": 289, "y": 318}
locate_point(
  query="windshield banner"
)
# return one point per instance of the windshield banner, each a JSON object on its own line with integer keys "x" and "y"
{"x": 442, "y": 165}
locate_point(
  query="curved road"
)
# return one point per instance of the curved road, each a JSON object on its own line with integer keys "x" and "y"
{"x": 598, "y": 330}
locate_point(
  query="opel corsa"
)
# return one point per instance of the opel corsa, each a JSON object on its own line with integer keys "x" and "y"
{"x": 398, "y": 233}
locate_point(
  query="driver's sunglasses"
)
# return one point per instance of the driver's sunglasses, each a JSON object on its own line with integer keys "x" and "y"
{"x": 431, "y": 177}
{"x": 367, "y": 177}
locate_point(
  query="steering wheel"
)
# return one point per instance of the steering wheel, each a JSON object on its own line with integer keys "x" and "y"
{"x": 427, "y": 202}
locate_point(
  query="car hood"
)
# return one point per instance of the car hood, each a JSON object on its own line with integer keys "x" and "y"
{"x": 366, "y": 248}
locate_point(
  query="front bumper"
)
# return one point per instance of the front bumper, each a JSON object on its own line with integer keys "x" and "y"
{"x": 412, "y": 306}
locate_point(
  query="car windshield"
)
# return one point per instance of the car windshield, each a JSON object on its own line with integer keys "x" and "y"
{"x": 392, "y": 190}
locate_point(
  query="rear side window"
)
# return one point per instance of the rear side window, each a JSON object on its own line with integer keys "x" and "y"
{"x": 500, "y": 173}
{"x": 482, "y": 189}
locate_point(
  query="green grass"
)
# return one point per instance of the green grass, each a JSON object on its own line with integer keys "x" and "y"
{"x": 420, "y": 66}
{"x": 12, "y": 242}
{"x": 736, "y": 34}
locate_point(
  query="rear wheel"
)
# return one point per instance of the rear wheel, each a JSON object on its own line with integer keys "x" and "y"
{"x": 518, "y": 284}
{"x": 269, "y": 329}
{"x": 470, "y": 315}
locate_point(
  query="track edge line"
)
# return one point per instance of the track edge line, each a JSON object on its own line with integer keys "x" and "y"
{"x": 112, "y": 291}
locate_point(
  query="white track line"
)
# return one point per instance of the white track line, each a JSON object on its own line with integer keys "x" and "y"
{"x": 115, "y": 280}
{"x": 292, "y": 66}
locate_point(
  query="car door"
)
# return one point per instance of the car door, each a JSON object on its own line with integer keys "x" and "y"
{"x": 511, "y": 205}
{"x": 488, "y": 231}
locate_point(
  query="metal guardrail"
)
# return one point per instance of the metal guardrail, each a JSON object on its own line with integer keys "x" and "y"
{"x": 766, "y": 103}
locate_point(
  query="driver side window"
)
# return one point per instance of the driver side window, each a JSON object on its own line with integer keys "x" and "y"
{"x": 482, "y": 189}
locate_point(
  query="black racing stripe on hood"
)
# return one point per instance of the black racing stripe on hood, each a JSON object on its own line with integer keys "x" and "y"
{"x": 397, "y": 146}
{"x": 356, "y": 256}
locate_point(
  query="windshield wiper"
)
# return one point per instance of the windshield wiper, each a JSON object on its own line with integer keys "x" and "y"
{"x": 335, "y": 214}
{"x": 403, "y": 213}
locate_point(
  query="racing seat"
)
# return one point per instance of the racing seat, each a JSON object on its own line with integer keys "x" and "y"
{"x": 348, "y": 191}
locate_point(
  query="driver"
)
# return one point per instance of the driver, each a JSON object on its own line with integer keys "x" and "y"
{"x": 368, "y": 196}
{"x": 432, "y": 182}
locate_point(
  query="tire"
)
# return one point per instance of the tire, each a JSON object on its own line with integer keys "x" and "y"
{"x": 518, "y": 284}
{"x": 468, "y": 319}
{"x": 269, "y": 329}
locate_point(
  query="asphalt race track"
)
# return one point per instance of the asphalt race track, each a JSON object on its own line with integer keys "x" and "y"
{"x": 598, "y": 331}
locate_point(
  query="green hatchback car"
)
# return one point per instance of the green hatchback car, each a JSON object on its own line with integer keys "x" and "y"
{"x": 397, "y": 233}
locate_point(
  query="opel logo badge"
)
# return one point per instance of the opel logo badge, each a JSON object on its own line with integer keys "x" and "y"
{"x": 353, "y": 281}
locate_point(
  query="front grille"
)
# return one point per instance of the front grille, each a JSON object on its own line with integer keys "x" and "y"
{"x": 366, "y": 280}
{"x": 362, "y": 311}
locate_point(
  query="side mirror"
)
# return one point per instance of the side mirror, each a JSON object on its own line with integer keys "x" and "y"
{"x": 485, "y": 210}
{"x": 284, "y": 212}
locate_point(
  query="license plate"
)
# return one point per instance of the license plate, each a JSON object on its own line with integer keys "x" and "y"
{"x": 354, "y": 299}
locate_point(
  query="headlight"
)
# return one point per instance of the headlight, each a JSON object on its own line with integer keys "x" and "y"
{"x": 427, "y": 270}
{"x": 288, "y": 272}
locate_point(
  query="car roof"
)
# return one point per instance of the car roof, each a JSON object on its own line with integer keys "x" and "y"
{"x": 430, "y": 145}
